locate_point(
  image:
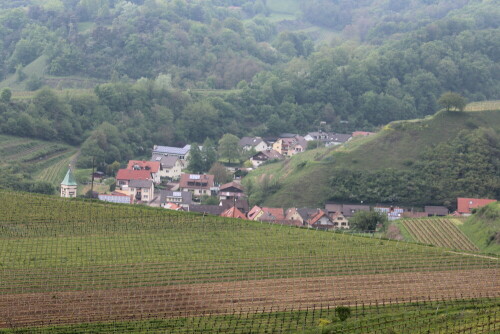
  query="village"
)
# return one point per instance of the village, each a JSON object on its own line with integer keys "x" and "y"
{"x": 165, "y": 181}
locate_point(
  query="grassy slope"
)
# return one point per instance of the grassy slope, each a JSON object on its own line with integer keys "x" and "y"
{"x": 44, "y": 160}
{"x": 484, "y": 225}
{"x": 396, "y": 145}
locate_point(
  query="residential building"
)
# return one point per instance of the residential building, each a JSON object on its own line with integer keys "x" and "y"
{"x": 198, "y": 184}
{"x": 231, "y": 190}
{"x": 180, "y": 152}
{"x": 465, "y": 205}
{"x": 392, "y": 213}
{"x": 328, "y": 138}
{"x": 257, "y": 143}
{"x": 320, "y": 220}
{"x": 348, "y": 210}
{"x": 233, "y": 212}
{"x": 124, "y": 176}
{"x": 300, "y": 214}
{"x": 436, "y": 210}
{"x": 152, "y": 166}
{"x": 261, "y": 157}
{"x": 181, "y": 198}
{"x": 170, "y": 166}
{"x": 69, "y": 185}
{"x": 339, "y": 221}
{"x": 142, "y": 190}
{"x": 255, "y": 213}
{"x": 290, "y": 146}
{"x": 241, "y": 204}
{"x": 271, "y": 214}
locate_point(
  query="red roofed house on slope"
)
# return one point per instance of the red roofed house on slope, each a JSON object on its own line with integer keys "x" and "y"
{"x": 152, "y": 166}
{"x": 233, "y": 213}
{"x": 465, "y": 205}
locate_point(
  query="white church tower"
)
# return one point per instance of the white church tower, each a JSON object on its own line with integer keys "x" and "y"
{"x": 68, "y": 185}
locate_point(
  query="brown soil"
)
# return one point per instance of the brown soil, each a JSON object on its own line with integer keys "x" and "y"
{"x": 42, "y": 309}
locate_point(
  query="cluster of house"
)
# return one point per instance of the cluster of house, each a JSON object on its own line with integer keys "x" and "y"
{"x": 287, "y": 144}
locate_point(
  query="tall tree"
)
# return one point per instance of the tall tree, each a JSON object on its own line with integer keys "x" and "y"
{"x": 228, "y": 147}
{"x": 452, "y": 100}
{"x": 196, "y": 164}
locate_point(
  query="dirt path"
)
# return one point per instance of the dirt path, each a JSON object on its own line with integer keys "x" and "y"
{"x": 19, "y": 310}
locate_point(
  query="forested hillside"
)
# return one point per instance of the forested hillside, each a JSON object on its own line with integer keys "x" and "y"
{"x": 421, "y": 162}
{"x": 177, "y": 72}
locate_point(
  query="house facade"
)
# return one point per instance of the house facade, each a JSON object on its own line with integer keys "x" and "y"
{"x": 230, "y": 191}
{"x": 124, "y": 176}
{"x": 290, "y": 146}
{"x": 170, "y": 166}
{"x": 198, "y": 184}
{"x": 264, "y": 156}
{"x": 142, "y": 190}
{"x": 257, "y": 143}
{"x": 320, "y": 220}
{"x": 181, "y": 198}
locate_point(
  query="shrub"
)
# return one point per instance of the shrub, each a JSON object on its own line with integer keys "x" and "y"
{"x": 343, "y": 312}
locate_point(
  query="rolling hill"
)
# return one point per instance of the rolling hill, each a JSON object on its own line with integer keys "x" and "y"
{"x": 425, "y": 161}
{"x": 483, "y": 228}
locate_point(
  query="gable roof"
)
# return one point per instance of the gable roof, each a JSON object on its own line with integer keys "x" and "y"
{"x": 250, "y": 141}
{"x": 69, "y": 179}
{"x": 166, "y": 161}
{"x": 231, "y": 184}
{"x": 233, "y": 212}
{"x": 350, "y": 209}
{"x": 277, "y": 213}
{"x": 339, "y": 137}
{"x": 466, "y": 204}
{"x": 151, "y": 166}
{"x": 317, "y": 216}
{"x": 171, "y": 150}
{"x": 241, "y": 204}
{"x": 270, "y": 154}
{"x": 253, "y": 212}
{"x": 306, "y": 213}
{"x": 140, "y": 183}
{"x": 436, "y": 210}
{"x": 130, "y": 174}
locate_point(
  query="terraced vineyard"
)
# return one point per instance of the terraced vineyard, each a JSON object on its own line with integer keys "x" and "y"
{"x": 76, "y": 266}
{"x": 440, "y": 232}
{"x": 45, "y": 160}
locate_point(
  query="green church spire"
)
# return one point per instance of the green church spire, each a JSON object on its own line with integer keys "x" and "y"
{"x": 69, "y": 179}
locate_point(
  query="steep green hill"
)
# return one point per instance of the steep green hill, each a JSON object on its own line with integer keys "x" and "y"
{"x": 483, "y": 228}
{"x": 426, "y": 161}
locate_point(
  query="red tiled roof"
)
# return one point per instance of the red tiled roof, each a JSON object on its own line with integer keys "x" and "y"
{"x": 253, "y": 212}
{"x": 154, "y": 166}
{"x": 317, "y": 217}
{"x": 233, "y": 213}
{"x": 466, "y": 204}
{"x": 130, "y": 174}
{"x": 277, "y": 213}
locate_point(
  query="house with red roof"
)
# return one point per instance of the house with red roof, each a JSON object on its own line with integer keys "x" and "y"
{"x": 124, "y": 176}
{"x": 152, "y": 166}
{"x": 465, "y": 205}
{"x": 320, "y": 220}
{"x": 233, "y": 212}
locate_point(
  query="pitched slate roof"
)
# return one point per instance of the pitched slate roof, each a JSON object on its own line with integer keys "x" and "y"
{"x": 69, "y": 179}
{"x": 339, "y": 138}
{"x": 130, "y": 174}
{"x": 306, "y": 213}
{"x": 270, "y": 154}
{"x": 350, "y": 209}
{"x": 151, "y": 166}
{"x": 466, "y": 204}
{"x": 241, "y": 204}
{"x": 166, "y": 161}
{"x": 140, "y": 183}
{"x": 250, "y": 141}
